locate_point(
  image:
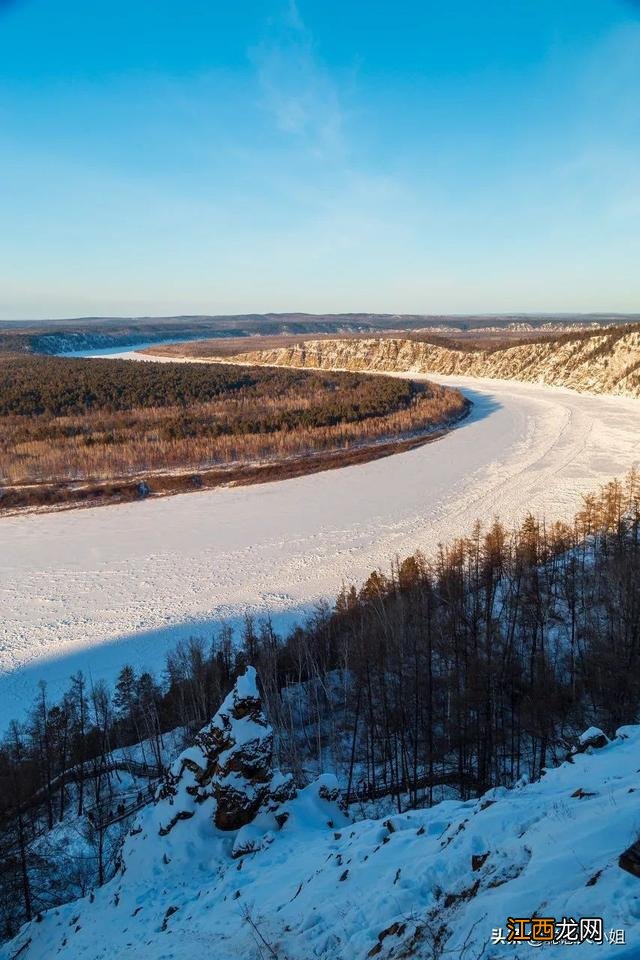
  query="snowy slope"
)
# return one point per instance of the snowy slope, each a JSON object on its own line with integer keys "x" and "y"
{"x": 426, "y": 884}
{"x": 93, "y": 589}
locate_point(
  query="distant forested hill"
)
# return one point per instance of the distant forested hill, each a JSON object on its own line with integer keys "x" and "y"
{"x": 91, "y": 333}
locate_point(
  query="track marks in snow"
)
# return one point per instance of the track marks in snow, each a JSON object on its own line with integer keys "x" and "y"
{"x": 92, "y": 589}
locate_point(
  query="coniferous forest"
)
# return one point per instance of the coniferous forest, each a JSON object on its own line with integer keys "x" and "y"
{"x": 68, "y": 424}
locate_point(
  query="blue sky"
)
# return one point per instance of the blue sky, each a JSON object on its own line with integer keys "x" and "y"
{"x": 216, "y": 157}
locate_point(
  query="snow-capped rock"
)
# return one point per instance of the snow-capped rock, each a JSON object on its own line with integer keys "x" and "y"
{"x": 593, "y": 738}
{"x": 229, "y": 763}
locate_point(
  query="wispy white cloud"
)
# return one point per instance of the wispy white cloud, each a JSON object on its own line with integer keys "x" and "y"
{"x": 294, "y": 18}
{"x": 296, "y": 88}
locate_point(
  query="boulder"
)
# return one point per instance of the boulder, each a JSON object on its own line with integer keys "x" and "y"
{"x": 592, "y": 738}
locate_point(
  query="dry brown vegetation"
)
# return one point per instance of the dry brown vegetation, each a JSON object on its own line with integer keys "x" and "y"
{"x": 124, "y": 444}
{"x": 226, "y": 347}
{"x": 103, "y": 422}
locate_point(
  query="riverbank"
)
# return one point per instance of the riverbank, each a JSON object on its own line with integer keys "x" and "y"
{"x": 94, "y": 589}
{"x": 87, "y": 432}
{"x": 47, "y": 497}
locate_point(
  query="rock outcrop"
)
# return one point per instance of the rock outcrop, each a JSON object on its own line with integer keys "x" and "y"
{"x": 604, "y": 362}
{"x": 229, "y": 763}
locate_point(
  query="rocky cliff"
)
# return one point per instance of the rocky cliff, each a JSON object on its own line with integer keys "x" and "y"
{"x": 605, "y": 362}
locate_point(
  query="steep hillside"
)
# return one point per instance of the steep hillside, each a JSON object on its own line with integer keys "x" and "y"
{"x": 233, "y": 862}
{"x": 604, "y": 362}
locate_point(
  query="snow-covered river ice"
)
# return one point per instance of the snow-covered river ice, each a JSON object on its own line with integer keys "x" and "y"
{"x": 95, "y": 588}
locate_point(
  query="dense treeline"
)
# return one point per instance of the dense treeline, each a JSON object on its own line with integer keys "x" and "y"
{"x": 69, "y": 420}
{"x": 441, "y": 677}
{"x": 475, "y": 668}
{"x": 59, "y": 386}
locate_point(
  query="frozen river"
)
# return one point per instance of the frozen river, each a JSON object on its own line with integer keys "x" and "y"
{"x": 93, "y": 589}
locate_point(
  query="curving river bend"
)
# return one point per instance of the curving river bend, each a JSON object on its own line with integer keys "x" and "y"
{"x": 93, "y": 589}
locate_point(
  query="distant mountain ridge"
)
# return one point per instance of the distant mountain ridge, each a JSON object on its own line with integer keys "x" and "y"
{"x": 89, "y": 333}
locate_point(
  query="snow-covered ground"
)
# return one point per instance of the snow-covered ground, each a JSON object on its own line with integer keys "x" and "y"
{"x": 298, "y": 880}
{"x": 92, "y": 589}
{"x": 120, "y": 353}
